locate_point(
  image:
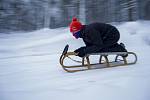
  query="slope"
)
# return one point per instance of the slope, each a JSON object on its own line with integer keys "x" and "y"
{"x": 30, "y": 70}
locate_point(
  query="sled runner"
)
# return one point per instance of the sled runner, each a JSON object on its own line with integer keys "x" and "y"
{"x": 104, "y": 61}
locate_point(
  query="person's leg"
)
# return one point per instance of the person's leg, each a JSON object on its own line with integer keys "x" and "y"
{"x": 114, "y": 48}
{"x": 110, "y": 43}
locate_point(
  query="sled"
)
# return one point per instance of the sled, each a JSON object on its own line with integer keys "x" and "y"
{"x": 104, "y": 61}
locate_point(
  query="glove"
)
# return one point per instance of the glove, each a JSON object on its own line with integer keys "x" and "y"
{"x": 80, "y": 51}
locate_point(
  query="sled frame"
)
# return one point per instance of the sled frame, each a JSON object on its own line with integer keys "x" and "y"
{"x": 87, "y": 65}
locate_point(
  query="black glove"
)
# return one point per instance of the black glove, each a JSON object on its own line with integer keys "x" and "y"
{"x": 80, "y": 51}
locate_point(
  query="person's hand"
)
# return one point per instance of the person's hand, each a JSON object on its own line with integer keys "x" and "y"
{"x": 80, "y": 51}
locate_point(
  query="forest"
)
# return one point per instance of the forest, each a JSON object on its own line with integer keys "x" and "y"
{"x": 28, "y": 15}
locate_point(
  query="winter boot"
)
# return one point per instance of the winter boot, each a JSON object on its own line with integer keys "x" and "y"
{"x": 124, "y": 49}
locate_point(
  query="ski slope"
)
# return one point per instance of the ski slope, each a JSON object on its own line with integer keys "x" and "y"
{"x": 30, "y": 70}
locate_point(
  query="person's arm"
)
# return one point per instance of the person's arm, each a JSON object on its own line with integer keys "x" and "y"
{"x": 91, "y": 49}
{"x": 82, "y": 51}
{"x": 96, "y": 40}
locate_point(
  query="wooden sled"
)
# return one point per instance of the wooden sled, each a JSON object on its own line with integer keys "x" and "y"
{"x": 85, "y": 63}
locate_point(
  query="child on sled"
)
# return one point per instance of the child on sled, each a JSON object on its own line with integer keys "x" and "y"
{"x": 98, "y": 37}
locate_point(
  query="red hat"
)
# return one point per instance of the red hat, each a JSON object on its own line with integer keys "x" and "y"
{"x": 75, "y": 25}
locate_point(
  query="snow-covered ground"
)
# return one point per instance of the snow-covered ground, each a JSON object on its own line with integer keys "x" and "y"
{"x": 30, "y": 69}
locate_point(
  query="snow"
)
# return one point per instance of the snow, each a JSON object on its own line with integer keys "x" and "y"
{"x": 30, "y": 69}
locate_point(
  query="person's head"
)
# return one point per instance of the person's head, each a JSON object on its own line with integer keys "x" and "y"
{"x": 75, "y": 27}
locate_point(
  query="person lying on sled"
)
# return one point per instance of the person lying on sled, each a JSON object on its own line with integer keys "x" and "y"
{"x": 98, "y": 37}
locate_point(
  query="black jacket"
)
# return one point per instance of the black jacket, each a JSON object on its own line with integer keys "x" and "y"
{"x": 97, "y": 36}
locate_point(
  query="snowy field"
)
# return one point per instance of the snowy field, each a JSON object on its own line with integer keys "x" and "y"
{"x": 30, "y": 69}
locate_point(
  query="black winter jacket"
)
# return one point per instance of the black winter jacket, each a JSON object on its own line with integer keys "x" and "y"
{"x": 97, "y": 36}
